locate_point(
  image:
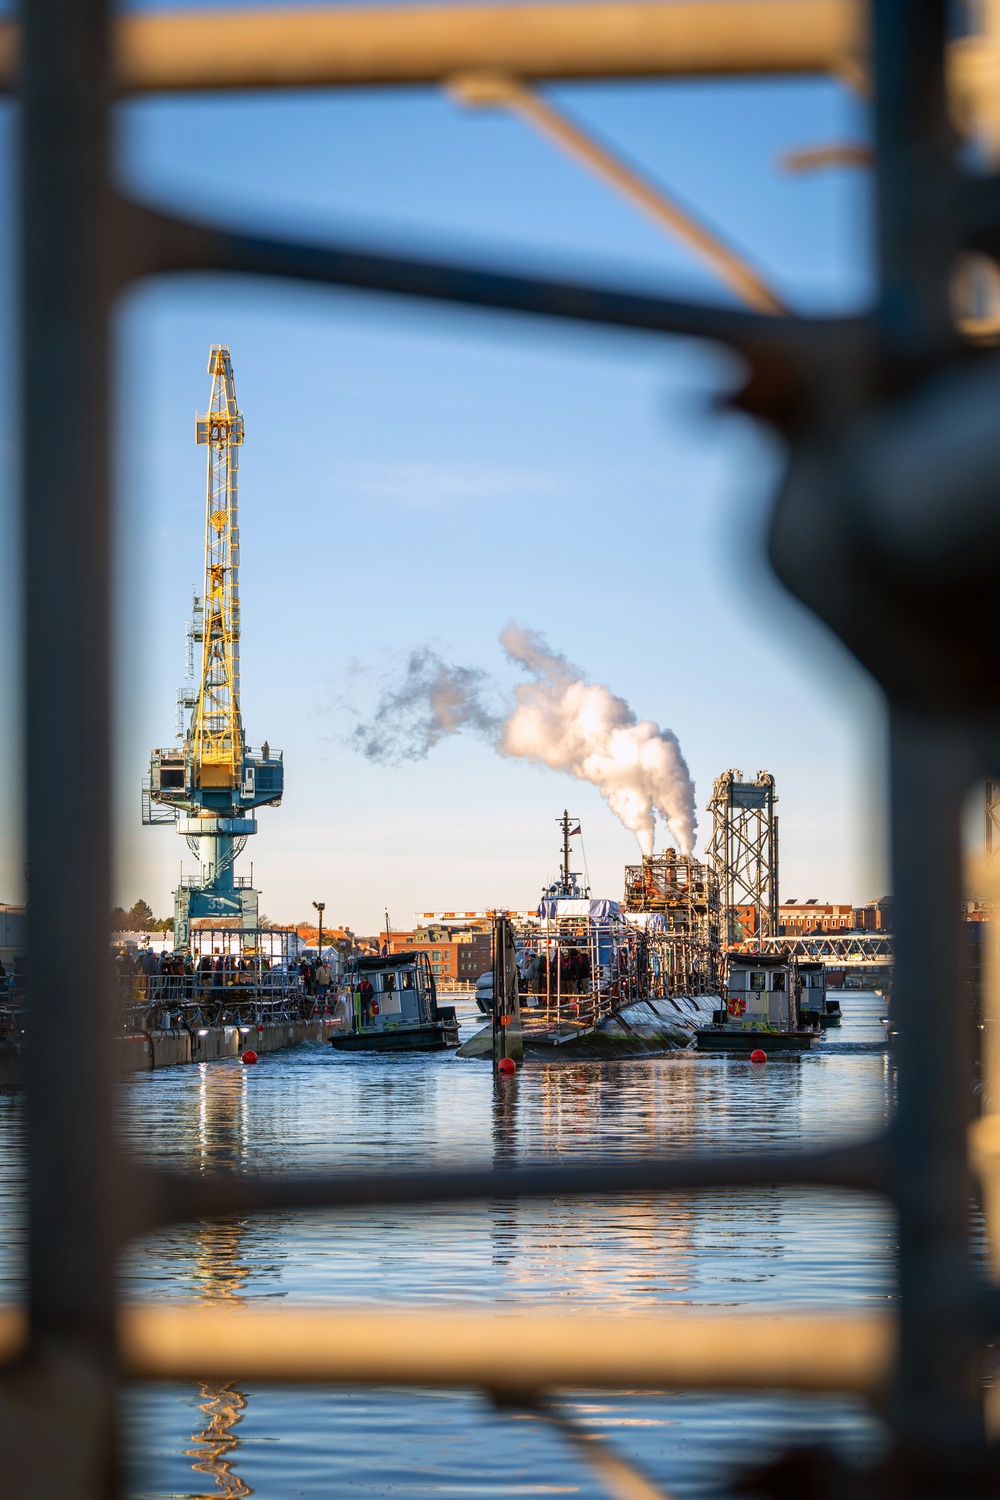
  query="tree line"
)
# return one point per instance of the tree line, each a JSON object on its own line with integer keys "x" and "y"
{"x": 139, "y": 918}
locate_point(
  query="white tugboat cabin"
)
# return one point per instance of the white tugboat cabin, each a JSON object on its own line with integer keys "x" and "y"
{"x": 761, "y": 1009}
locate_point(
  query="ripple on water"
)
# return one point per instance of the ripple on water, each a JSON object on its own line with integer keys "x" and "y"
{"x": 310, "y": 1107}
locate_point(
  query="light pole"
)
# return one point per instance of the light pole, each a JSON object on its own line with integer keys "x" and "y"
{"x": 320, "y": 907}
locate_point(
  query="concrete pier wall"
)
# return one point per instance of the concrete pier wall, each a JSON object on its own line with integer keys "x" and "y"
{"x": 210, "y": 1043}
{"x": 165, "y": 1049}
{"x": 139, "y": 1051}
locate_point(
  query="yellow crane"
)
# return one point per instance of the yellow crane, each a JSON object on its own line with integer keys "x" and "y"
{"x": 217, "y": 728}
{"x": 210, "y": 785}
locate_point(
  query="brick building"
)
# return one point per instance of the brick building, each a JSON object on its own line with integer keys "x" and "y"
{"x": 802, "y": 918}
{"x": 456, "y": 952}
{"x": 874, "y": 916}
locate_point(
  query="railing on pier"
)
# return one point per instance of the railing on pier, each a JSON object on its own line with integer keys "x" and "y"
{"x": 569, "y": 1012}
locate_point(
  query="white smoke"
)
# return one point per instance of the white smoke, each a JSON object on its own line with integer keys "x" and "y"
{"x": 432, "y": 701}
{"x": 558, "y": 720}
{"x": 582, "y": 728}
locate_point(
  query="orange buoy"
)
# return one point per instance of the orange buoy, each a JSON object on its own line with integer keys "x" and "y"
{"x": 506, "y": 1065}
{"x": 758, "y": 1056}
{"x": 249, "y": 1056}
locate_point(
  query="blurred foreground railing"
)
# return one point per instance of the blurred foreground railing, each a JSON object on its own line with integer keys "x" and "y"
{"x": 887, "y": 527}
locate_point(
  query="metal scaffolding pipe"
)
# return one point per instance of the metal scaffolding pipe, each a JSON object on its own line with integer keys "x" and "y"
{"x": 221, "y": 49}
{"x": 525, "y": 1349}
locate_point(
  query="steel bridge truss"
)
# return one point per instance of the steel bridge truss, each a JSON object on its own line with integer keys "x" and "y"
{"x": 877, "y": 529}
{"x": 829, "y": 948}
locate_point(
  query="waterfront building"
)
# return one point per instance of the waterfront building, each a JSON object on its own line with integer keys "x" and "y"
{"x": 456, "y": 952}
{"x": 802, "y": 918}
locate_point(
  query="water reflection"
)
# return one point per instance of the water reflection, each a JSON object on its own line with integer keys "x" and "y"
{"x": 310, "y": 1108}
{"x": 218, "y": 1267}
{"x": 217, "y": 1443}
{"x": 503, "y": 1212}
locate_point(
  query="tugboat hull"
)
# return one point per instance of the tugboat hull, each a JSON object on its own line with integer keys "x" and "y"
{"x": 435, "y": 1036}
{"x": 718, "y": 1039}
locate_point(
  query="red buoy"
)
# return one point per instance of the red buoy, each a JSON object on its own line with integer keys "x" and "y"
{"x": 758, "y": 1056}
{"x": 506, "y": 1065}
{"x": 249, "y": 1056}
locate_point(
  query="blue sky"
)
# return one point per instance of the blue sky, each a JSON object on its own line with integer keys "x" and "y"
{"x": 414, "y": 477}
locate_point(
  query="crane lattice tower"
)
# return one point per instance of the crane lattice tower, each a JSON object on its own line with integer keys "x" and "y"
{"x": 744, "y": 851}
{"x": 211, "y": 784}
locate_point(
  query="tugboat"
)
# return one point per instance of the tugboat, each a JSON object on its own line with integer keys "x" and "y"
{"x": 389, "y": 1004}
{"x": 814, "y": 1004}
{"x": 762, "y": 1008}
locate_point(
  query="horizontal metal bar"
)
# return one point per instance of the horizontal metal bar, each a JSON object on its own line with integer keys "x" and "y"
{"x": 517, "y": 1350}
{"x": 163, "y": 1198}
{"x": 329, "y": 46}
{"x": 13, "y": 1333}
{"x": 798, "y": 350}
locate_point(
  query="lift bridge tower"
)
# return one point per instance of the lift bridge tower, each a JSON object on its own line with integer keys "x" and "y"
{"x": 210, "y": 785}
{"x": 744, "y": 851}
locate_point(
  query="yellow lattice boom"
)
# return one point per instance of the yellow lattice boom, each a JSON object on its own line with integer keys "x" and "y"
{"x": 217, "y": 729}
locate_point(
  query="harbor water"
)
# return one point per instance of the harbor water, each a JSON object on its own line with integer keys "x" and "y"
{"x": 309, "y": 1108}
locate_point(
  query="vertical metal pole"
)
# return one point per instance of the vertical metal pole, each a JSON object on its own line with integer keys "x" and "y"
{"x": 915, "y": 145}
{"x": 938, "y": 1398}
{"x": 65, "y": 291}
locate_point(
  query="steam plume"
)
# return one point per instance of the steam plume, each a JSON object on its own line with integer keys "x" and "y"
{"x": 584, "y": 729}
{"x": 434, "y": 700}
{"x": 558, "y": 720}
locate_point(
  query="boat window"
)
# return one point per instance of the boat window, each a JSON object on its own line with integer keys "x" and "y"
{"x": 406, "y": 979}
{"x": 388, "y": 982}
{"x": 758, "y": 981}
{"x": 778, "y": 980}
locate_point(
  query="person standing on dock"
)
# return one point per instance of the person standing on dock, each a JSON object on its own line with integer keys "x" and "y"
{"x": 147, "y": 969}
{"x": 324, "y": 978}
{"x": 534, "y": 974}
{"x": 366, "y": 996}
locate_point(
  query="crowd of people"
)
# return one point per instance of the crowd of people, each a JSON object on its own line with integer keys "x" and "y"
{"x": 150, "y": 976}
{"x": 567, "y": 971}
{"x": 316, "y": 977}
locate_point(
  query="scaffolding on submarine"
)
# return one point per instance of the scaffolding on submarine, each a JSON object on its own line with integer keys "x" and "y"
{"x": 679, "y": 896}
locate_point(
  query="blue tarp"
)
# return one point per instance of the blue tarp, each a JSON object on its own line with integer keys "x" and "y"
{"x": 596, "y": 911}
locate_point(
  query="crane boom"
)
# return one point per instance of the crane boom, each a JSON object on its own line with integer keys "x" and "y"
{"x": 217, "y": 729}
